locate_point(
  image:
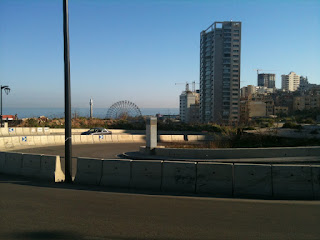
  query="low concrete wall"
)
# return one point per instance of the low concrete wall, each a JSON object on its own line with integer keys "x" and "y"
{"x": 217, "y": 179}
{"x": 236, "y": 153}
{"x": 31, "y": 165}
{"x": 179, "y": 176}
{"x": 146, "y": 175}
{"x": 18, "y": 142}
{"x": 292, "y": 181}
{"x": 89, "y": 171}
{"x": 252, "y": 180}
{"x": 116, "y": 173}
{"x": 47, "y": 167}
{"x": 21, "y": 131}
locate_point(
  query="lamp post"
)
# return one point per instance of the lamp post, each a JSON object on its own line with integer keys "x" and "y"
{"x": 6, "y": 90}
{"x": 67, "y": 95}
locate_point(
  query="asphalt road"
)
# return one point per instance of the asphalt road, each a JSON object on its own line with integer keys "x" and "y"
{"x": 106, "y": 151}
{"x": 34, "y": 210}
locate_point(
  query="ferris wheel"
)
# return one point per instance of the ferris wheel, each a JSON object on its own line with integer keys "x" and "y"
{"x": 123, "y": 109}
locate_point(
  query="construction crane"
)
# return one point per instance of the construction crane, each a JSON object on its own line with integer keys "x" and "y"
{"x": 258, "y": 70}
{"x": 188, "y": 84}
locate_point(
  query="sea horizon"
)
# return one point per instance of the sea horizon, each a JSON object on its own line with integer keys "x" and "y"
{"x": 81, "y": 112}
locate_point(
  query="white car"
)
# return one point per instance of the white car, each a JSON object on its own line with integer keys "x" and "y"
{"x": 97, "y": 131}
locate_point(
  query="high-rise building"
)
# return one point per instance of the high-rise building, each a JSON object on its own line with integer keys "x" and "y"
{"x": 220, "y": 50}
{"x": 290, "y": 82}
{"x": 267, "y": 80}
{"x": 187, "y": 100}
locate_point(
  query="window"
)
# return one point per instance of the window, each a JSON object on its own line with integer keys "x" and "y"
{"x": 235, "y": 51}
{"x": 236, "y": 35}
{"x": 236, "y": 40}
{"x": 236, "y": 56}
{"x": 236, "y": 31}
{"x": 235, "y": 71}
{"x": 235, "y": 61}
{"x": 235, "y": 45}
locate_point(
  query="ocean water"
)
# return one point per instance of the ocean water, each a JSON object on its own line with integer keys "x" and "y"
{"x": 83, "y": 112}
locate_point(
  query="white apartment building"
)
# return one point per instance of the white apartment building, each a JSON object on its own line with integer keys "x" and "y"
{"x": 290, "y": 82}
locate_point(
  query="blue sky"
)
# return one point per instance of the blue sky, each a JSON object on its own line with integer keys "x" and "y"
{"x": 138, "y": 50}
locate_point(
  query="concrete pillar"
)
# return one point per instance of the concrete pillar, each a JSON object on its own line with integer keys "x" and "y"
{"x": 5, "y": 124}
{"x": 151, "y": 133}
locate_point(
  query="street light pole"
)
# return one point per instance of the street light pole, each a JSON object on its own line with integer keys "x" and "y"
{"x": 67, "y": 95}
{"x": 6, "y": 90}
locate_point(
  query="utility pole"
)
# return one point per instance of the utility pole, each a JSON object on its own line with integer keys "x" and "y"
{"x": 67, "y": 95}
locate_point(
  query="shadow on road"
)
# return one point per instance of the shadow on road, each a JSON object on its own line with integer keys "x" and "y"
{"x": 19, "y": 180}
{"x": 67, "y": 235}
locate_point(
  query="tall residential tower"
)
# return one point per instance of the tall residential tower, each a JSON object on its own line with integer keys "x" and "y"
{"x": 220, "y": 49}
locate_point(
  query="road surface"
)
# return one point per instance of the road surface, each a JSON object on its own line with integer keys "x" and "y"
{"x": 106, "y": 151}
{"x": 35, "y": 210}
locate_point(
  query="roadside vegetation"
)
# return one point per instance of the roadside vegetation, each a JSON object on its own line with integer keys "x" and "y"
{"x": 127, "y": 124}
{"x": 248, "y": 141}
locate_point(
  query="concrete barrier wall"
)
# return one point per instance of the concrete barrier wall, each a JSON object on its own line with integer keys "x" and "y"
{"x": 179, "y": 176}
{"x": 16, "y": 142}
{"x": 31, "y": 165}
{"x": 215, "y": 178}
{"x": 89, "y": 171}
{"x": 252, "y": 180}
{"x": 51, "y": 168}
{"x": 218, "y": 179}
{"x": 315, "y": 173}
{"x": 16, "y": 138}
{"x": 13, "y": 163}
{"x": 116, "y": 173}
{"x": 292, "y": 181}
{"x": 19, "y": 131}
{"x": 47, "y": 167}
{"x": 139, "y": 138}
{"x": 235, "y": 153}
{"x": 146, "y": 175}
{"x": 2, "y": 161}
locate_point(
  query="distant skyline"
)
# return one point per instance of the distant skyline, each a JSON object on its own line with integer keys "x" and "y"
{"x": 138, "y": 50}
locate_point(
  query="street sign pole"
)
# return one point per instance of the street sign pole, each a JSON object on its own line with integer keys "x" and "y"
{"x": 67, "y": 95}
